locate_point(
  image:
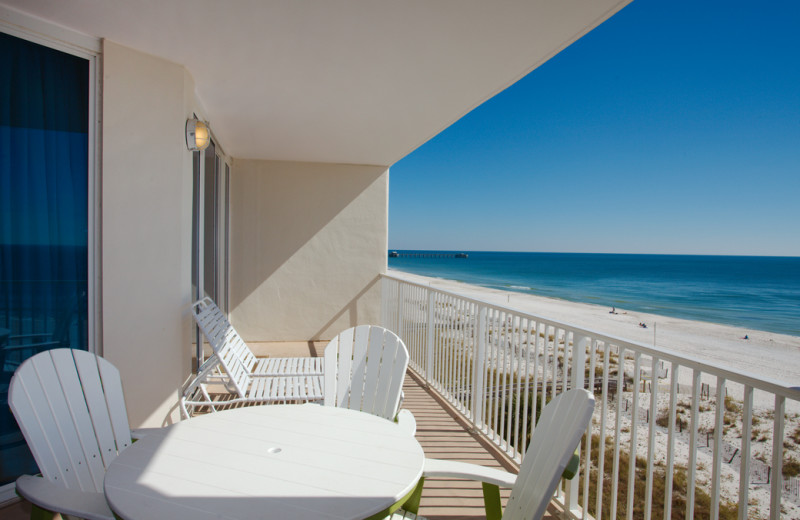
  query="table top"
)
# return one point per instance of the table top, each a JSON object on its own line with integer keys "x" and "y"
{"x": 275, "y": 461}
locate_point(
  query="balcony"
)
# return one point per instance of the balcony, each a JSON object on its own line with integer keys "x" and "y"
{"x": 479, "y": 372}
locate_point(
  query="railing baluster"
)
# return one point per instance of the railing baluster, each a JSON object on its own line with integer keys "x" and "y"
{"x": 454, "y": 348}
{"x": 716, "y": 468}
{"x": 518, "y": 376}
{"x": 617, "y": 431}
{"x": 537, "y": 395}
{"x": 437, "y": 345}
{"x": 673, "y": 396}
{"x": 447, "y": 343}
{"x": 524, "y": 446}
{"x": 497, "y": 394}
{"x": 576, "y": 365}
{"x": 692, "y": 468}
{"x": 587, "y": 449}
{"x": 776, "y": 482}
{"x": 504, "y": 345}
{"x": 401, "y": 303}
{"x": 651, "y": 436}
{"x": 496, "y": 376}
{"x": 480, "y": 371}
{"x": 553, "y": 376}
{"x": 441, "y": 335}
{"x": 458, "y": 353}
{"x": 546, "y": 359}
{"x": 451, "y": 349}
{"x": 556, "y": 349}
{"x": 637, "y": 373}
{"x": 744, "y": 467}
{"x": 431, "y": 326}
{"x": 601, "y": 452}
{"x": 466, "y": 347}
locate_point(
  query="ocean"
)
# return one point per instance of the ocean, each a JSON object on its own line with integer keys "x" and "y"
{"x": 761, "y": 293}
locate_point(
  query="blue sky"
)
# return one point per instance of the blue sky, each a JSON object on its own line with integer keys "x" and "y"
{"x": 674, "y": 127}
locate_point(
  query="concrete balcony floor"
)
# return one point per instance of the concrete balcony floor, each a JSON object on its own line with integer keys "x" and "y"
{"x": 441, "y": 434}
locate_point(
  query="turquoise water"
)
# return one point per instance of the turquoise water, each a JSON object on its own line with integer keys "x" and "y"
{"x": 761, "y": 293}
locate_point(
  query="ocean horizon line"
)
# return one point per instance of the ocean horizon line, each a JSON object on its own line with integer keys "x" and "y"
{"x": 589, "y": 253}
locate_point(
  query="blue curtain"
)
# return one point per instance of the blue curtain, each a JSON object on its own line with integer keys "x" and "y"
{"x": 44, "y": 100}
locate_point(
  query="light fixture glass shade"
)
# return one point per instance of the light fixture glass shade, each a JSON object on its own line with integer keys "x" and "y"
{"x": 197, "y": 135}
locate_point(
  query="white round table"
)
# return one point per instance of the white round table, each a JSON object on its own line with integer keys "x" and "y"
{"x": 269, "y": 462}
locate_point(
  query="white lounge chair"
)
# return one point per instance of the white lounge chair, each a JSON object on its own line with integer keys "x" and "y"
{"x": 562, "y": 423}
{"x": 364, "y": 370}
{"x": 71, "y": 410}
{"x": 250, "y": 379}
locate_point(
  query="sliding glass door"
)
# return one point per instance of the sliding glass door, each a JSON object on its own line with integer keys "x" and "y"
{"x": 44, "y": 216}
{"x": 210, "y": 229}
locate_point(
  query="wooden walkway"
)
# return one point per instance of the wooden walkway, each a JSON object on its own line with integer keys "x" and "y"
{"x": 441, "y": 436}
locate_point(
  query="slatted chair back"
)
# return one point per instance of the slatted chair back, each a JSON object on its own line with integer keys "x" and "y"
{"x": 235, "y": 357}
{"x": 562, "y": 423}
{"x": 70, "y": 408}
{"x": 364, "y": 370}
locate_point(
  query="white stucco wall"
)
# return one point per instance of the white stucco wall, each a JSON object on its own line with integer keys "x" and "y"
{"x": 308, "y": 241}
{"x": 146, "y": 229}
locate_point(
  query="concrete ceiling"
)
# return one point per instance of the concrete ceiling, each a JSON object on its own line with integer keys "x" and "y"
{"x": 345, "y": 81}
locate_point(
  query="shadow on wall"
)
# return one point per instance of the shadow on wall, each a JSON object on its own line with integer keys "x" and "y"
{"x": 308, "y": 241}
{"x": 350, "y": 310}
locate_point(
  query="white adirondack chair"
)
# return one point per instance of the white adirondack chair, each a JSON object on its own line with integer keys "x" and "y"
{"x": 252, "y": 380}
{"x": 364, "y": 370}
{"x": 562, "y": 423}
{"x": 71, "y": 410}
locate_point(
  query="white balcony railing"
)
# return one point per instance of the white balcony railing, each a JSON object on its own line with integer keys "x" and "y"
{"x": 496, "y": 366}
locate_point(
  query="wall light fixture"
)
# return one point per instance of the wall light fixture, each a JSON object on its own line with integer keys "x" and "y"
{"x": 197, "y": 135}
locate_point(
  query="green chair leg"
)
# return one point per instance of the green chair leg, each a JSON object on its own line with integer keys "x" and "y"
{"x": 409, "y": 503}
{"x": 412, "y": 504}
{"x": 491, "y": 500}
{"x": 37, "y": 513}
{"x": 572, "y": 467}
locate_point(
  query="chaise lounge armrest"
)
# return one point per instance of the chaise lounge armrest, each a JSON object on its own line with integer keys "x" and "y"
{"x": 52, "y": 497}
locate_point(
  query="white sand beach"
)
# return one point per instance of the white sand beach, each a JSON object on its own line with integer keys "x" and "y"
{"x": 766, "y": 355}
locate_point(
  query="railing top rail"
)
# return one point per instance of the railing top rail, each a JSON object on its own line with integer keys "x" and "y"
{"x": 736, "y": 376}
